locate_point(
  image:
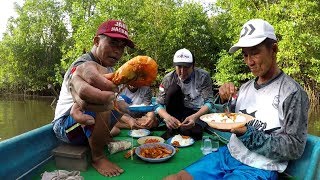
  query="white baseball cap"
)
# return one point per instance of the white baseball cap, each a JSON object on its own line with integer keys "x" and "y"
{"x": 253, "y": 33}
{"x": 183, "y": 57}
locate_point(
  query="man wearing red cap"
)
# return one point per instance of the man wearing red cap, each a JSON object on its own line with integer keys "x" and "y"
{"x": 84, "y": 112}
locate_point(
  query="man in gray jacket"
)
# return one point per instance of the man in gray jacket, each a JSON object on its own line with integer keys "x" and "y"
{"x": 184, "y": 95}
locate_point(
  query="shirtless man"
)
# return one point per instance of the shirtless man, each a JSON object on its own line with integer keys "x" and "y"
{"x": 84, "y": 112}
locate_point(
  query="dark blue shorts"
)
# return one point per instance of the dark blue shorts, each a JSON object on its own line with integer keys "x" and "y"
{"x": 79, "y": 134}
{"x": 221, "y": 165}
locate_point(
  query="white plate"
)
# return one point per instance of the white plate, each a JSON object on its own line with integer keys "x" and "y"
{"x": 214, "y": 121}
{"x": 137, "y": 133}
{"x": 170, "y": 139}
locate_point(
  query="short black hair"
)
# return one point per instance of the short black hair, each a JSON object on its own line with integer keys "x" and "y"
{"x": 268, "y": 42}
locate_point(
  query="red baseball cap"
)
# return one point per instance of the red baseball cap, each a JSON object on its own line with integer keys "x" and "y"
{"x": 115, "y": 29}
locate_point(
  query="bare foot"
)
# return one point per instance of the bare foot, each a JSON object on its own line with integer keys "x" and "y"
{"x": 107, "y": 168}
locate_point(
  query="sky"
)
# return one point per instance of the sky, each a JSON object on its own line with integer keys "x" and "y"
{"x": 7, "y": 10}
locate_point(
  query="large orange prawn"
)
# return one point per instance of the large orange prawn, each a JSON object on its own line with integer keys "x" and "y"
{"x": 138, "y": 71}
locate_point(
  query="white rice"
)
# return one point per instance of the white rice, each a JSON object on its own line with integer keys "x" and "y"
{"x": 225, "y": 119}
{"x": 182, "y": 141}
{"x": 138, "y": 132}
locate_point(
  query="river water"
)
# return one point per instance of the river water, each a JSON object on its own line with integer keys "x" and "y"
{"x": 22, "y": 114}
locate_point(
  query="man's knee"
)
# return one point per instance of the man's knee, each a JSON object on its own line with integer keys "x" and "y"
{"x": 182, "y": 175}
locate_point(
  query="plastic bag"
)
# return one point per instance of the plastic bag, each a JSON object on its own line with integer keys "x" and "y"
{"x": 117, "y": 146}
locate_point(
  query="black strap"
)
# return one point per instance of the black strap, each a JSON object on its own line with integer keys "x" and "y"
{"x": 92, "y": 57}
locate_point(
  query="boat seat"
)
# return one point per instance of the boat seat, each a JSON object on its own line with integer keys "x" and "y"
{"x": 308, "y": 166}
{"x": 71, "y": 157}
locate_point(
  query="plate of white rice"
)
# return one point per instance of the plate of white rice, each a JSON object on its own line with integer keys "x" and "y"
{"x": 137, "y": 133}
{"x": 183, "y": 141}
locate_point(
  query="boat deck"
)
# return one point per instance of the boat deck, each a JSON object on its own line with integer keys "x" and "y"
{"x": 29, "y": 155}
{"x": 135, "y": 168}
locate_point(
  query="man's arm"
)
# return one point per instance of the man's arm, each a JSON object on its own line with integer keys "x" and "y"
{"x": 290, "y": 142}
{"x": 147, "y": 96}
{"x": 207, "y": 94}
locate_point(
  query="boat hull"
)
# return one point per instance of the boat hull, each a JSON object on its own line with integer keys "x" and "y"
{"x": 22, "y": 154}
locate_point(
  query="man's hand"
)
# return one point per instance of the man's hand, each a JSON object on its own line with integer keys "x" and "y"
{"x": 226, "y": 91}
{"x": 132, "y": 122}
{"x": 189, "y": 122}
{"x": 79, "y": 116}
{"x": 172, "y": 122}
{"x": 90, "y": 89}
{"x": 239, "y": 131}
{"x": 148, "y": 120}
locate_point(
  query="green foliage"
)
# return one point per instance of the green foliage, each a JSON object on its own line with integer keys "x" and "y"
{"x": 33, "y": 44}
{"x": 296, "y": 23}
{"x": 48, "y": 35}
{"x": 231, "y": 69}
{"x": 158, "y": 28}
